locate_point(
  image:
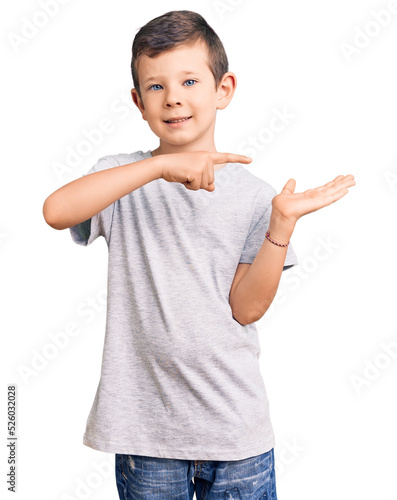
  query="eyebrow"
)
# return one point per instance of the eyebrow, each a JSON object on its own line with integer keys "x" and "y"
{"x": 157, "y": 77}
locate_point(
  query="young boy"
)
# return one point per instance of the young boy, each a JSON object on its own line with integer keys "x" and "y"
{"x": 191, "y": 268}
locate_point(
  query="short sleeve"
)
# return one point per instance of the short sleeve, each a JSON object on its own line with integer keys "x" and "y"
{"x": 257, "y": 235}
{"x": 100, "y": 224}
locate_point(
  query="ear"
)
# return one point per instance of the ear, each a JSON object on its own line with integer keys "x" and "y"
{"x": 226, "y": 89}
{"x": 138, "y": 102}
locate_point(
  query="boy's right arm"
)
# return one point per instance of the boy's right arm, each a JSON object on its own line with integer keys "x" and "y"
{"x": 85, "y": 197}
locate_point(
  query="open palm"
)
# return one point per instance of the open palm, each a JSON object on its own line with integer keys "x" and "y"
{"x": 292, "y": 205}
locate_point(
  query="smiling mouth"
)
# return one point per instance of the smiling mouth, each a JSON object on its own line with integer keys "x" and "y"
{"x": 177, "y": 121}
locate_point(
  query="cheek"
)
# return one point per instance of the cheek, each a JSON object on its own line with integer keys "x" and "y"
{"x": 205, "y": 102}
{"x": 152, "y": 105}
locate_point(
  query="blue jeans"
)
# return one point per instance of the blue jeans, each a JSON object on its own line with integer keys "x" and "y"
{"x": 151, "y": 478}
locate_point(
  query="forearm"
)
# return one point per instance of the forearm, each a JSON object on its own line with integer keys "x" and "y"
{"x": 82, "y": 198}
{"x": 255, "y": 292}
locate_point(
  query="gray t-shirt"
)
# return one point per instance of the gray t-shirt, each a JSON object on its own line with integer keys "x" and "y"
{"x": 180, "y": 376}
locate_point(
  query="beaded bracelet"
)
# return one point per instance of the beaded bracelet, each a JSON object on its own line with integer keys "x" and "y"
{"x": 275, "y": 243}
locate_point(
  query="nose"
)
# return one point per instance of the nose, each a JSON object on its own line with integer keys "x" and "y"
{"x": 171, "y": 98}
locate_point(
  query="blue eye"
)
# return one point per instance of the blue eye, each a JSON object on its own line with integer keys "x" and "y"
{"x": 158, "y": 85}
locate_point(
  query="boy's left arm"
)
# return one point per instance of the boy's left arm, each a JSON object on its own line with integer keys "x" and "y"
{"x": 253, "y": 294}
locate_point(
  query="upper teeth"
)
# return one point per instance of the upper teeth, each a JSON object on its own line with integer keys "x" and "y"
{"x": 176, "y": 121}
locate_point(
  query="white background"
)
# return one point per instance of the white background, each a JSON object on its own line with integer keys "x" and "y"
{"x": 334, "y": 415}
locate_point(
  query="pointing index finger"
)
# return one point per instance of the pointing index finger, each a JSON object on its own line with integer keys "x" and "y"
{"x": 231, "y": 158}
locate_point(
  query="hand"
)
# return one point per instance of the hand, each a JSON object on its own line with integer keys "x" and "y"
{"x": 291, "y": 206}
{"x": 195, "y": 169}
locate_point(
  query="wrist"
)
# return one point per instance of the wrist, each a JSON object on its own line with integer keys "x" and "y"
{"x": 157, "y": 166}
{"x": 281, "y": 229}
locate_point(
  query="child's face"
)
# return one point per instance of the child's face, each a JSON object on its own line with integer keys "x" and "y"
{"x": 179, "y": 83}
